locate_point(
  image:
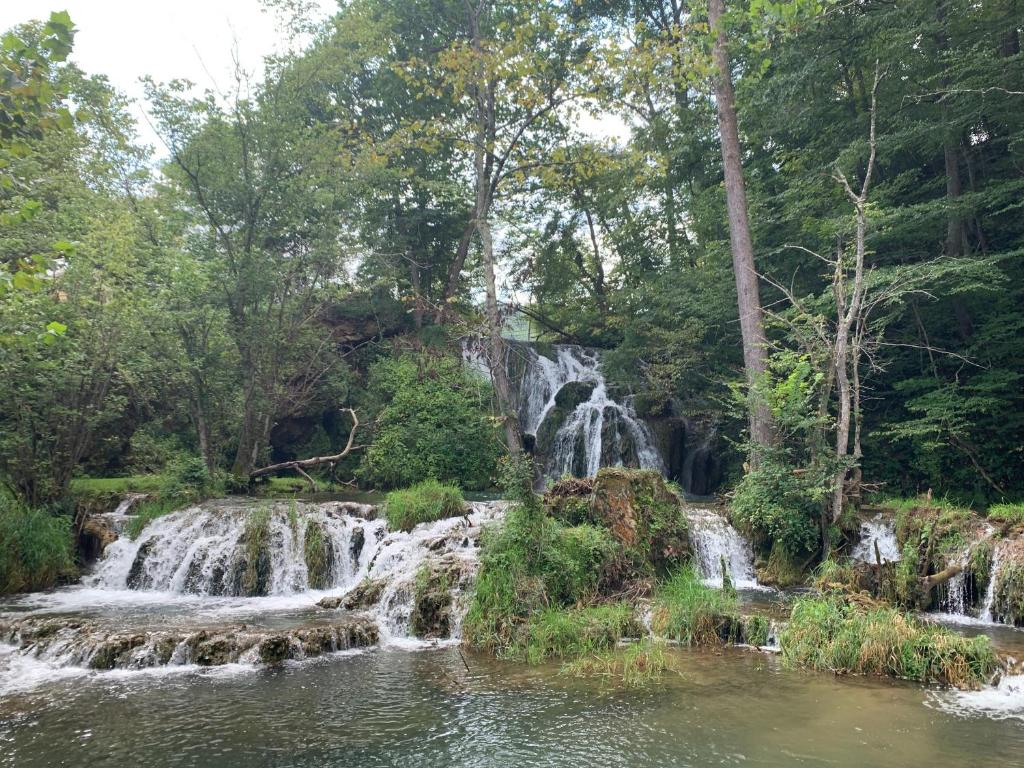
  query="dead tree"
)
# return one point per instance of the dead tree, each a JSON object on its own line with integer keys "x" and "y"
{"x": 301, "y": 465}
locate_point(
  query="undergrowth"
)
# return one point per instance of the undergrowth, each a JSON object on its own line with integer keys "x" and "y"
{"x": 36, "y": 547}
{"x": 635, "y": 666}
{"x": 826, "y": 633}
{"x": 690, "y": 612}
{"x": 422, "y": 503}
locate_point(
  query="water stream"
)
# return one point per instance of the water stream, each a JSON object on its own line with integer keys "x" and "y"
{"x": 713, "y": 541}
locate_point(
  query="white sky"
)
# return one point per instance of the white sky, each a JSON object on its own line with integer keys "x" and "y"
{"x": 186, "y": 39}
{"x": 166, "y": 39}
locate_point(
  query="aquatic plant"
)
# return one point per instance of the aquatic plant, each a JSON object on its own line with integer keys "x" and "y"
{"x": 422, "y": 503}
{"x": 828, "y": 633}
{"x": 690, "y": 612}
{"x": 318, "y": 555}
{"x": 574, "y": 632}
{"x": 635, "y": 666}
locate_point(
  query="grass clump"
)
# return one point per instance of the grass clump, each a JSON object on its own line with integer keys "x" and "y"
{"x": 432, "y": 601}
{"x": 318, "y": 554}
{"x": 1012, "y": 514}
{"x": 36, "y": 548}
{"x": 692, "y": 613}
{"x": 255, "y": 566}
{"x": 577, "y": 631}
{"x": 636, "y": 666}
{"x": 422, "y": 503}
{"x": 826, "y": 633}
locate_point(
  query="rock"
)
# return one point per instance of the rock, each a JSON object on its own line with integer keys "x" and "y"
{"x": 364, "y": 595}
{"x": 356, "y": 544}
{"x": 136, "y": 574}
{"x": 95, "y": 535}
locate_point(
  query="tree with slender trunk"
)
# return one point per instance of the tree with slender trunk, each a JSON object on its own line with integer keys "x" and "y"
{"x": 747, "y": 291}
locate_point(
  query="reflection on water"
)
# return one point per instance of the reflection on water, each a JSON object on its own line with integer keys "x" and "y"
{"x": 391, "y": 707}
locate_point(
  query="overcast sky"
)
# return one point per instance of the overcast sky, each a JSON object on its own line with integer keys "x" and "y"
{"x": 187, "y": 39}
{"x": 166, "y": 39}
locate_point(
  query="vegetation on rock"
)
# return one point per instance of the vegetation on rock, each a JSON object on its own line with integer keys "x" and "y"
{"x": 424, "y": 502}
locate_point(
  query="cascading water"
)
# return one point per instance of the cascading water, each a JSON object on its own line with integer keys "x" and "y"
{"x": 881, "y": 531}
{"x": 990, "y": 590}
{"x": 713, "y": 540}
{"x": 598, "y": 431}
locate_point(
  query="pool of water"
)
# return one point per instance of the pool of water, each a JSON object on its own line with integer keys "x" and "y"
{"x": 388, "y": 707}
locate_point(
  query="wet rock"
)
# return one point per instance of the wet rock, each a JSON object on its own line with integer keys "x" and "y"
{"x": 364, "y": 595}
{"x": 137, "y": 573}
{"x": 432, "y": 601}
{"x": 95, "y": 535}
{"x": 356, "y": 543}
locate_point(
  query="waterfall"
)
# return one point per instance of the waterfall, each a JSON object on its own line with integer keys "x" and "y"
{"x": 576, "y": 431}
{"x": 201, "y": 550}
{"x": 713, "y": 538}
{"x": 880, "y": 529}
{"x": 990, "y": 590}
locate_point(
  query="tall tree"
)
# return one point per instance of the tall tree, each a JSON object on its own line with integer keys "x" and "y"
{"x": 744, "y": 269}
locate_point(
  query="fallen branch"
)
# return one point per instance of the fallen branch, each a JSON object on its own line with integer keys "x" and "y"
{"x": 929, "y": 582}
{"x": 301, "y": 465}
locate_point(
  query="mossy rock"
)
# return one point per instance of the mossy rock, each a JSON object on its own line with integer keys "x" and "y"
{"x": 1008, "y": 596}
{"x": 251, "y": 570}
{"x": 432, "y": 602}
{"x": 644, "y": 515}
{"x": 319, "y": 555}
{"x": 568, "y": 398}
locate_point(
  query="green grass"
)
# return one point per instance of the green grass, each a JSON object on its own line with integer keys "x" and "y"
{"x": 690, "y": 612}
{"x": 902, "y": 504}
{"x": 115, "y": 485}
{"x": 635, "y": 666}
{"x": 422, "y": 503}
{"x": 574, "y": 632}
{"x": 1007, "y": 513}
{"x": 825, "y": 633}
{"x": 36, "y": 548}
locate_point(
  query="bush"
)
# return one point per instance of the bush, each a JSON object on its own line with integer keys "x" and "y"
{"x": 830, "y": 634}
{"x": 422, "y": 503}
{"x": 530, "y": 563}
{"x": 36, "y": 548}
{"x": 692, "y": 613}
{"x": 187, "y": 478}
{"x": 434, "y": 422}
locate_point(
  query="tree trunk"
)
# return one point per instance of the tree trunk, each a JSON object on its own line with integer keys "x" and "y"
{"x": 749, "y": 299}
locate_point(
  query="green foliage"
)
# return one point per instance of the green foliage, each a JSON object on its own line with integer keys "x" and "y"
{"x": 36, "y": 547}
{"x": 434, "y": 423}
{"x": 188, "y": 478}
{"x": 530, "y": 563}
{"x": 255, "y": 565}
{"x": 424, "y": 502}
{"x": 574, "y": 632}
{"x": 692, "y": 613}
{"x": 317, "y": 554}
{"x": 756, "y": 630}
{"x": 828, "y": 634}
{"x": 1012, "y": 514}
{"x": 636, "y": 666}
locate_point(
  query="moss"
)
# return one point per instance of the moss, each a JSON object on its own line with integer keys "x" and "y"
{"x": 432, "y": 601}
{"x": 422, "y": 503}
{"x": 1008, "y": 595}
{"x": 690, "y": 612}
{"x": 252, "y": 571}
{"x": 845, "y": 638}
{"x": 644, "y": 516}
{"x": 782, "y": 569}
{"x": 319, "y": 556}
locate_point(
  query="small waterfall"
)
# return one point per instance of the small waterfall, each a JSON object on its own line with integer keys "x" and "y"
{"x": 990, "y": 590}
{"x": 129, "y": 501}
{"x": 201, "y": 550}
{"x": 712, "y": 539}
{"x": 880, "y": 530}
{"x": 598, "y": 431}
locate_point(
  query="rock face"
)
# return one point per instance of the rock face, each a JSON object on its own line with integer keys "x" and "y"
{"x": 95, "y": 535}
{"x": 76, "y": 642}
{"x": 643, "y": 515}
{"x": 360, "y": 598}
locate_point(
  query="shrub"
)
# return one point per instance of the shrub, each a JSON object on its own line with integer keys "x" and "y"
{"x": 434, "y": 422}
{"x": 36, "y": 548}
{"x": 422, "y": 503}
{"x": 830, "y": 634}
{"x": 692, "y": 613}
{"x": 187, "y": 478}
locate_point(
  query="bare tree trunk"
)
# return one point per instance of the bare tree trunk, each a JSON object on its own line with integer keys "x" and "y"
{"x": 748, "y": 295}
